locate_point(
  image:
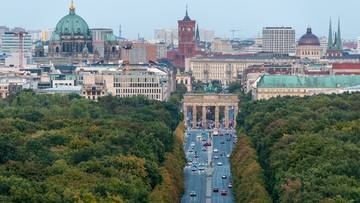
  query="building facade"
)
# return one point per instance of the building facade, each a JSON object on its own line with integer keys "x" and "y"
{"x": 227, "y": 69}
{"x": 309, "y": 46}
{"x": 133, "y": 80}
{"x": 11, "y": 44}
{"x": 280, "y": 40}
{"x": 73, "y": 39}
{"x": 269, "y": 86}
{"x": 187, "y": 44}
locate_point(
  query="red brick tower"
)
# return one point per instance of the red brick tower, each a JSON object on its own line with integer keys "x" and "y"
{"x": 187, "y": 45}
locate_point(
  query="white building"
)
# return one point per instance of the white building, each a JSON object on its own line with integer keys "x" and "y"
{"x": 221, "y": 46}
{"x": 3, "y": 29}
{"x": 168, "y": 36}
{"x": 279, "y": 40}
{"x": 228, "y": 69}
{"x": 150, "y": 81}
{"x": 11, "y": 46}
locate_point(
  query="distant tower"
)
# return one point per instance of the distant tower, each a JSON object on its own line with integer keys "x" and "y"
{"x": 187, "y": 45}
{"x": 335, "y": 47}
{"x": 197, "y": 35}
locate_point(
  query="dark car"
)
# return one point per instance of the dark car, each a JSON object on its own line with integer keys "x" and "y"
{"x": 216, "y": 189}
{"x": 193, "y": 194}
{"x": 224, "y": 177}
{"x": 223, "y": 192}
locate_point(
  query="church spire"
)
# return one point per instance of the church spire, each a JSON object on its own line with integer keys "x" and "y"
{"x": 338, "y": 39}
{"x": 186, "y": 18}
{"x": 197, "y": 34}
{"x": 330, "y": 38}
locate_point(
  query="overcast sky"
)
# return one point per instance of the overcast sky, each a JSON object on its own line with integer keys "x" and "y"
{"x": 143, "y": 16}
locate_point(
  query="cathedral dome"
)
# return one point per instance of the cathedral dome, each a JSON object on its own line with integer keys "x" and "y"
{"x": 309, "y": 39}
{"x": 72, "y": 24}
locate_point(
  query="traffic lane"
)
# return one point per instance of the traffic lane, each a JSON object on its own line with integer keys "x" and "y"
{"x": 219, "y": 183}
{"x": 219, "y": 171}
{"x": 196, "y": 183}
{"x": 195, "y": 180}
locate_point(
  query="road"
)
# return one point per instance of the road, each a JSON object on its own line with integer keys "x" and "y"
{"x": 199, "y": 184}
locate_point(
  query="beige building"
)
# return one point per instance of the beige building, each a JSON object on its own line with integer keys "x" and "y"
{"x": 184, "y": 79}
{"x": 10, "y": 85}
{"x": 129, "y": 81}
{"x": 280, "y": 40}
{"x": 228, "y": 69}
{"x": 221, "y": 45}
{"x": 269, "y": 86}
{"x": 309, "y": 46}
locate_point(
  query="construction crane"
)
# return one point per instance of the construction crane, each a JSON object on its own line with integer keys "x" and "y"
{"x": 233, "y": 33}
{"x": 21, "y": 36}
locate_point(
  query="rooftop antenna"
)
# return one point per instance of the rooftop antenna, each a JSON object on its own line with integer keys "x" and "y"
{"x": 120, "y": 31}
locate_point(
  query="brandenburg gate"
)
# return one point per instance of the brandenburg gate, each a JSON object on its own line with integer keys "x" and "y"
{"x": 227, "y": 102}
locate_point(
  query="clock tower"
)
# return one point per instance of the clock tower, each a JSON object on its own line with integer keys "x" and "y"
{"x": 186, "y": 29}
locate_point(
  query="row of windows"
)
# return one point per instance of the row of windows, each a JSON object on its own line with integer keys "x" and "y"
{"x": 135, "y": 80}
{"x": 310, "y": 53}
{"x": 136, "y": 85}
{"x": 282, "y": 90}
{"x": 138, "y": 91}
{"x": 157, "y": 97}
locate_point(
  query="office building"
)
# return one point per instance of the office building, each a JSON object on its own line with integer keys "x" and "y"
{"x": 151, "y": 81}
{"x": 280, "y": 40}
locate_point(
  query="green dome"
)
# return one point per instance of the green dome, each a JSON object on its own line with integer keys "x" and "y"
{"x": 72, "y": 24}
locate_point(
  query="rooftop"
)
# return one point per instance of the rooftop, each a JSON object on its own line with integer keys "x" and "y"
{"x": 294, "y": 81}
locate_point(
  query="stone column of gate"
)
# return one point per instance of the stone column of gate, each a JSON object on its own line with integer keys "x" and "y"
{"x": 217, "y": 115}
{"x": 236, "y": 111}
{"x": 204, "y": 116}
{"x": 185, "y": 114}
{"x": 194, "y": 116}
{"x": 226, "y": 115}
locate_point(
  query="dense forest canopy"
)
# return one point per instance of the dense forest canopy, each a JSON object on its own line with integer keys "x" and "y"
{"x": 67, "y": 149}
{"x": 308, "y": 147}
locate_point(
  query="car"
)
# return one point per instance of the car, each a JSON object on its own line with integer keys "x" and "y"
{"x": 215, "y": 189}
{"x": 196, "y": 156}
{"x": 230, "y": 185}
{"x": 223, "y": 192}
{"x": 192, "y": 194}
{"x": 201, "y": 167}
{"x": 216, "y": 150}
{"x": 203, "y": 149}
{"x": 222, "y": 142}
{"x": 207, "y": 144}
{"x": 194, "y": 168}
{"x": 192, "y": 144}
{"x": 191, "y": 151}
{"x": 224, "y": 177}
{"x": 203, "y": 139}
{"x": 228, "y": 139}
{"x": 219, "y": 164}
{"x": 228, "y": 156}
{"x": 216, "y": 157}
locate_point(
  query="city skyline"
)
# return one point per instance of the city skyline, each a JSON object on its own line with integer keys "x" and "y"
{"x": 249, "y": 21}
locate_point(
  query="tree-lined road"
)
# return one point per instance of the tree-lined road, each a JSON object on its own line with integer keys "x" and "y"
{"x": 207, "y": 166}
